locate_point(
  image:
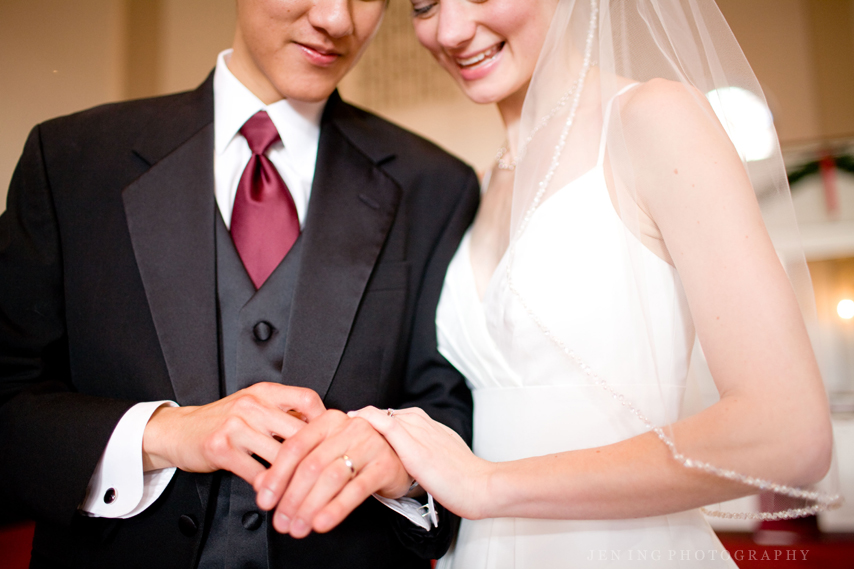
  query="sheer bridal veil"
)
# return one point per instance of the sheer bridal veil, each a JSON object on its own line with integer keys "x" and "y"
{"x": 596, "y": 52}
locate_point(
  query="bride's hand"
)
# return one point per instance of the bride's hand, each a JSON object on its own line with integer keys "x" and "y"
{"x": 437, "y": 457}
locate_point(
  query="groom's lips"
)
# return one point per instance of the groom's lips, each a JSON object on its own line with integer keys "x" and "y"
{"x": 319, "y": 55}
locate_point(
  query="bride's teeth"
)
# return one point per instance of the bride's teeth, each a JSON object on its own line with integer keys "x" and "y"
{"x": 479, "y": 57}
{"x": 473, "y": 60}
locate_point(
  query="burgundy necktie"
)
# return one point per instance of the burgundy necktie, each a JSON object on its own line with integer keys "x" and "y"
{"x": 264, "y": 222}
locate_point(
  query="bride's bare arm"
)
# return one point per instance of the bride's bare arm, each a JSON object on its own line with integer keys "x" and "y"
{"x": 772, "y": 420}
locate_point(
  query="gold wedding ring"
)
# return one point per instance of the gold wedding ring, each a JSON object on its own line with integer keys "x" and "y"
{"x": 349, "y": 464}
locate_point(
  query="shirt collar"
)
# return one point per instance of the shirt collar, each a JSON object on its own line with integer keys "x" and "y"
{"x": 298, "y": 122}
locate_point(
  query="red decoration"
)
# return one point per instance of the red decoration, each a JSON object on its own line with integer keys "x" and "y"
{"x": 827, "y": 167}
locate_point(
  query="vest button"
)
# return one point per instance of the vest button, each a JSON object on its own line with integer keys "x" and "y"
{"x": 188, "y": 525}
{"x": 251, "y": 520}
{"x": 263, "y": 331}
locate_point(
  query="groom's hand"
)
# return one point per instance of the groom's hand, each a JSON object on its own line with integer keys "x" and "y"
{"x": 312, "y": 484}
{"x": 225, "y": 434}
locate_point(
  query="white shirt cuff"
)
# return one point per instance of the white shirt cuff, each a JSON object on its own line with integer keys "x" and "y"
{"x": 119, "y": 488}
{"x": 423, "y": 516}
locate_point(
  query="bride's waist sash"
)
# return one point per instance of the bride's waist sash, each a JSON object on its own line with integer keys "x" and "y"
{"x": 521, "y": 422}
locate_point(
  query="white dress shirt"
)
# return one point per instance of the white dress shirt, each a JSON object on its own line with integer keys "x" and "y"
{"x": 295, "y": 156}
{"x": 119, "y": 473}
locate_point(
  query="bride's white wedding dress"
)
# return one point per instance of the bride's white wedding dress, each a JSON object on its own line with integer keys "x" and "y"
{"x": 530, "y": 399}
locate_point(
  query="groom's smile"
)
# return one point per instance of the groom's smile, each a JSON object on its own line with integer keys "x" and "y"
{"x": 320, "y": 55}
{"x": 300, "y": 49}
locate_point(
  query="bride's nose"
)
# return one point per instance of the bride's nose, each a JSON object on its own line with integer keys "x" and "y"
{"x": 456, "y": 25}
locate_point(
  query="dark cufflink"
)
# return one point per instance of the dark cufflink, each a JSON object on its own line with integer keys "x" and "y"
{"x": 110, "y": 496}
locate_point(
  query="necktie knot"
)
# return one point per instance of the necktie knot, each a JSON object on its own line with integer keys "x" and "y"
{"x": 260, "y": 132}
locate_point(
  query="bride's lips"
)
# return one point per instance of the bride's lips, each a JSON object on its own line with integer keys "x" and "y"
{"x": 319, "y": 55}
{"x": 477, "y": 65}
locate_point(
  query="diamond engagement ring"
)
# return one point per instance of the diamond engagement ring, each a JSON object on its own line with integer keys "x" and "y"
{"x": 390, "y": 412}
{"x": 349, "y": 464}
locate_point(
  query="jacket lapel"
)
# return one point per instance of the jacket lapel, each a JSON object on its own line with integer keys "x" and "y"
{"x": 170, "y": 213}
{"x": 353, "y": 204}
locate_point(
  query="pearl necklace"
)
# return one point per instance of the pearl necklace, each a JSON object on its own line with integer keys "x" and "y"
{"x": 502, "y": 152}
{"x": 502, "y": 163}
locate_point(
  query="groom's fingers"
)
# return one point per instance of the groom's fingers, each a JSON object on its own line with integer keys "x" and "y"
{"x": 375, "y": 466}
{"x": 319, "y": 475}
{"x": 231, "y": 449}
{"x": 244, "y": 466}
{"x": 269, "y": 421}
{"x": 272, "y": 484}
{"x": 347, "y": 500}
{"x": 254, "y": 422}
{"x": 335, "y": 476}
{"x": 201, "y": 438}
{"x": 288, "y": 398}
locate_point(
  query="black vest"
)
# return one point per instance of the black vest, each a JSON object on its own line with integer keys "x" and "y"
{"x": 253, "y": 329}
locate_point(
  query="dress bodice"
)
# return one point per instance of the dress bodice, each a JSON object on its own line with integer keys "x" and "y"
{"x": 569, "y": 269}
{"x": 531, "y": 399}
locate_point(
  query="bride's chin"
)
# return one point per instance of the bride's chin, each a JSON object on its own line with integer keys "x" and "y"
{"x": 491, "y": 90}
{"x": 484, "y": 100}
{"x": 483, "y": 96}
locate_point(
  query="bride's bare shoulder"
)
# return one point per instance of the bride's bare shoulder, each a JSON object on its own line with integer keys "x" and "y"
{"x": 669, "y": 127}
{"x": 669, "y": 111}
{"x": 659, "y": 94}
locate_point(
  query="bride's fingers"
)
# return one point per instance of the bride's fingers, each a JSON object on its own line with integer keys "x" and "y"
{"x": 396, "y": 430}
{"x": 416, "y": 411}
{"x": 399, "y": 428}
{"x": 379, "y": 420}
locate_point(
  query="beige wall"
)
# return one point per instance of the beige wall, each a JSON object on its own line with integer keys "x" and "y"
{"x": 802, "y": 51}
{"x": 777, "y": 40}
{"x": 831, "y": 23}
{"x": 192, "y": 33}
{"x": 56, "y": 57}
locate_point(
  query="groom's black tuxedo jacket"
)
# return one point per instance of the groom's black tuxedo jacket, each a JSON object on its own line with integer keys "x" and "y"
{"x": 108, "y": 298}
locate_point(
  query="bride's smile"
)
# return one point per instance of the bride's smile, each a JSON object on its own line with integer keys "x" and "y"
{"x": 489, "y": 48}
{"x": 480, "y": 64}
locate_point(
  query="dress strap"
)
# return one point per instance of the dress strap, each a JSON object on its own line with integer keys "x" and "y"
{"x": 607, "y": 120}
{"x": 484, "y": 182}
